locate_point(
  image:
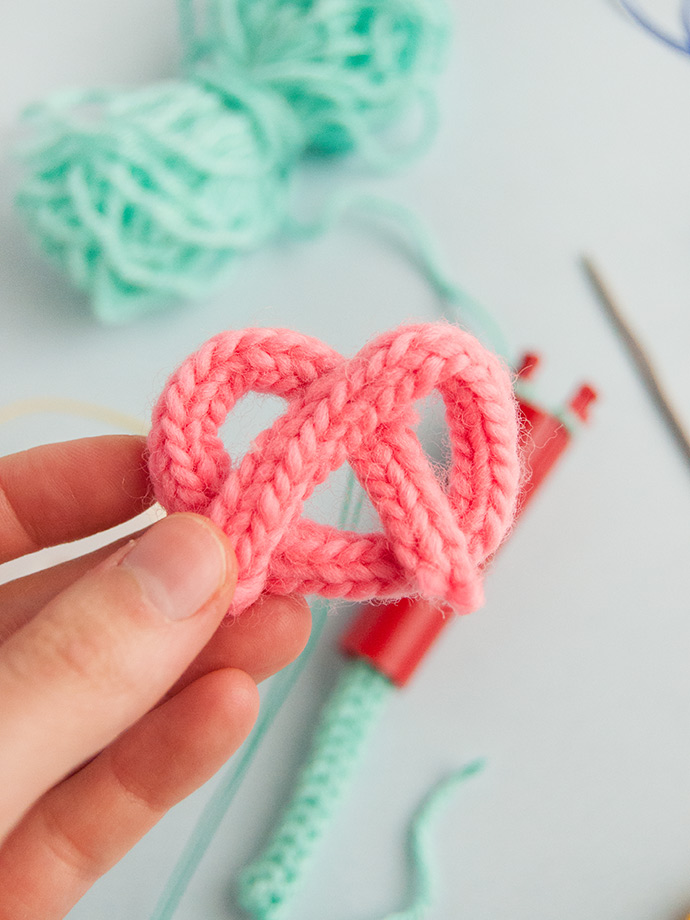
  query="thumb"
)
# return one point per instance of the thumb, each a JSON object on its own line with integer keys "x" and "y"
{"x": 105, "y": 650}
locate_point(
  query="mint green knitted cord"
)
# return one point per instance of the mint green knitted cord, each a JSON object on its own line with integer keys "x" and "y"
{"x": 212, "y": 815}
{"x": 267, "y": 886}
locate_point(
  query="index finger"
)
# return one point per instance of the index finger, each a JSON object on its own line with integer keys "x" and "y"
{"x": 62, "y": 492}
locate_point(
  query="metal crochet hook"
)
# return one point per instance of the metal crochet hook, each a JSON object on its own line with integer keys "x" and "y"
{"x": 640, "y": 359}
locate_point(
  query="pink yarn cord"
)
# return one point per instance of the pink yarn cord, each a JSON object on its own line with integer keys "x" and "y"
{"x": 435, "y": 538}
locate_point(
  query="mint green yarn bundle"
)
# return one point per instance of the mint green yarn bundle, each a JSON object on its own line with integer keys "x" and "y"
{"x": 144, "y": 197}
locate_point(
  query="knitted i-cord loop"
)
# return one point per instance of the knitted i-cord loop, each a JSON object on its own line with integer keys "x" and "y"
{"x": 143, "y": 197}
{"x": 435, "y": 537}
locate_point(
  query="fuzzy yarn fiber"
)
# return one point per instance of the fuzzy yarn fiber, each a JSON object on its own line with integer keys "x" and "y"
{"x": 144, "y": 197}
{"x": 436, "y": 536}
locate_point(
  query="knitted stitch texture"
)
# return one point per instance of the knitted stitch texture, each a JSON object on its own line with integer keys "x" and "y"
{"x": 339, "y": 745}
{"x": 435, "y": 536}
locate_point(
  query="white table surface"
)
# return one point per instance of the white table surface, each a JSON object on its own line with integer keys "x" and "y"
{"x": 565, "y": 130}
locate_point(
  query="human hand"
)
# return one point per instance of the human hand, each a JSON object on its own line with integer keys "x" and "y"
{"x": 118, "y": 693}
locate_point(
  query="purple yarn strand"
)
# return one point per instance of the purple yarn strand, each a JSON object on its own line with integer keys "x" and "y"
{"x": 685, "y": 18}
{"x": 648, "y": 26}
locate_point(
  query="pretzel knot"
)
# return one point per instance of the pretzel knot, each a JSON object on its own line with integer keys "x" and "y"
{"x": 436, "y": 536}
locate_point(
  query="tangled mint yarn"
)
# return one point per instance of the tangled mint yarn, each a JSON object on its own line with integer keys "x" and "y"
{"x": 144, "y": 197}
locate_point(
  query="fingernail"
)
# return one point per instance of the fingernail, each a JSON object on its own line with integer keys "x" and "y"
{"x": 180, "y": 563}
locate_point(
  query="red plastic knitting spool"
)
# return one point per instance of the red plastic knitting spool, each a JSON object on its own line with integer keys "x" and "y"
{"x": 394, "y": 638}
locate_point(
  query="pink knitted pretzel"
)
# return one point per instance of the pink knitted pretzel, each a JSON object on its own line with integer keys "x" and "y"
{"x": 434, "y": 538}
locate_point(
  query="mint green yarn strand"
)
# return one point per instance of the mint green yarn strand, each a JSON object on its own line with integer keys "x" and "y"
{"x": 192, "y": 40}
{"x": 339, "y": 745}
{"x": 457, "y": 304}
{"x": 464, "y": 309}
{"x": 220, "y": 27}
{"x": 420, "y": 843}
{"x": 212, "y": 815}
{"x": 425, "y": 252}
